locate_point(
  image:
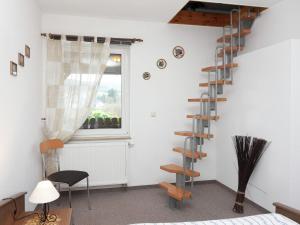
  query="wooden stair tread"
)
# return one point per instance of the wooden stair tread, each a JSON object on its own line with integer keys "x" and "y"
{"x": 207, "y": 100}
{"x": 221, "y": 67}
{"x": 219, "y": 82}
{"x": 189, "y": 153}
{"x": 173, "y": 168}
{"x": 190, "y": 134}
{"x": 244, "y": 16}
{"x": 227, "y": 37}
{"x": 228, "y": 50}
{"x": 201, "y": 117}
{"x": 175, "y": 192}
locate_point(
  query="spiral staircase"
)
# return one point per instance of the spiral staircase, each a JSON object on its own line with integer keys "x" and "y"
{"x": 219, "y": 75}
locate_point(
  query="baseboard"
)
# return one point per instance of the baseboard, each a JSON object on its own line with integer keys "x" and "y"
{"x": 125, "y": 187}
{"x": 246, "y": 199}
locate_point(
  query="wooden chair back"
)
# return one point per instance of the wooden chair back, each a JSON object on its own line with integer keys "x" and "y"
{"x": 50, "y": 145}
{"x": 47, "y": 148}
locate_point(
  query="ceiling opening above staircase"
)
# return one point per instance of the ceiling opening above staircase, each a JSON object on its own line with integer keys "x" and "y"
{"x": 209, "y": 13}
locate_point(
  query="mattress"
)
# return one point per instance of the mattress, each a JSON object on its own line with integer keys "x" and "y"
{"x": 264, "y": 219}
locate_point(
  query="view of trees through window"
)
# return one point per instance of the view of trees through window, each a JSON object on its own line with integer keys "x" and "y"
{"x": 107, "y": 110}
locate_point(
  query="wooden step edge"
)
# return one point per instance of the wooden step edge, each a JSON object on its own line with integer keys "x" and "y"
{"x": 244, "y": 16}
{"x": 228, "y": 48}
{"x": 173, "y": 168}
{"x": 219, "y": 82}
{"x": 165, "y": 185}
{"x": 200, "y": 117}
{"x": 228, "y": 51}
{"x": 234, "y": 49}
{"x": 189, "y": 153}
{"x": 221, "y": 67}
{"x": 175, "y": 192}
{"x": 179, "y": 194}
{"x": 190, "y": 134}
{"x": 227, "y": 37}
{"x": 207, "y": 100}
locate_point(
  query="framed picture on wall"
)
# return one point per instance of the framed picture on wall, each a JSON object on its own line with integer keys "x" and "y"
{"x": 21, "y": 59}
{"x": 13, "y": 68}
{"x": 27, "y": 51}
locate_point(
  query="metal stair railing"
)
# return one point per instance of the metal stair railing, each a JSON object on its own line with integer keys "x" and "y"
{"x": 217, "y": 77}
{"x": 238, "y": 11}
{"x": 205, "y": 107}
{"x": 185, "y": 165}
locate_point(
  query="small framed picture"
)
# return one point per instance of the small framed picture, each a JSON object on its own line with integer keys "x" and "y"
{"x": 21, "y": 59}
{"x": 27, "y": 51}
{"x": 161, "y": 63}
{"x": 13, "y": 68}
{"x": 146, "y": 76}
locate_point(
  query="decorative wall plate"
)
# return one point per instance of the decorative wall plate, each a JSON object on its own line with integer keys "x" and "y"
{"x": 161, "y": 63}
{"x": 146, "y": 76}
{"x": 178, "y": 52}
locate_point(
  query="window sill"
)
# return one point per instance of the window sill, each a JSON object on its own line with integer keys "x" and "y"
{"x": 100, "y": 138}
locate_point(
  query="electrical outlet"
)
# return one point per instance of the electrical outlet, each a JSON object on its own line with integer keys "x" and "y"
{"x": 153, "y": 114}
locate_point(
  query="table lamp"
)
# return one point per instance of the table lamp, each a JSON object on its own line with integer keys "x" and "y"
{"x": 44, "y": 193}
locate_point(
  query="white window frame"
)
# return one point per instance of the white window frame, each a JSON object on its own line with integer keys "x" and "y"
{"x": 124, "y": 131}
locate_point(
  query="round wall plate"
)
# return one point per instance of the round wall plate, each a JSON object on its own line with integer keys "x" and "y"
{"x": 161, "y": 63}
{"x": 146, "y": 76}
{"x": 178, "y": 52}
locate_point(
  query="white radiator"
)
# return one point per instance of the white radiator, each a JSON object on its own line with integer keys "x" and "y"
{"x": 106, "y": 163}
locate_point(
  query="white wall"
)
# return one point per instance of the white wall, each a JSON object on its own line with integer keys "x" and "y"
{"x": 259, "y": 105}
{"x": 166, "y": 93}
{"x": 20, "y": 98}
{"x": 264, "y": 102}
{"x": 278, "y": 23}
{"x": 295, "y": 112}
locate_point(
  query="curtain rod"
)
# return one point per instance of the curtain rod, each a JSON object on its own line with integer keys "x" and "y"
{"x": 118, "y": 41}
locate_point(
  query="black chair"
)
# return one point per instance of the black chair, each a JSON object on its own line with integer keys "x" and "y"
{"x": 69, "y": 177}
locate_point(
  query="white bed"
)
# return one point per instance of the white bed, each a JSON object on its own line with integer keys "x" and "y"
{"x": 264, "y": 219}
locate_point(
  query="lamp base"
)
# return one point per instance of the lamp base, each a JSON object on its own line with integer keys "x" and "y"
{"x": 45, "y": 217}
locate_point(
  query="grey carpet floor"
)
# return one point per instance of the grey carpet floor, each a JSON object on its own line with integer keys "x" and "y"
{"x": 119, "y": 207}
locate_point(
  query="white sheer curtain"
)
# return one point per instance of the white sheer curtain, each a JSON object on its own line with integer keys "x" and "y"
{"x": 73, "y": 74}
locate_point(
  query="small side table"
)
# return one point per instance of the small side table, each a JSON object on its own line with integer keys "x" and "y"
{"x": 64, "y": 217}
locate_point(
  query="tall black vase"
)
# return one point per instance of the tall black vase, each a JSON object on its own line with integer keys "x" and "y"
{"x": 248, "y": 151}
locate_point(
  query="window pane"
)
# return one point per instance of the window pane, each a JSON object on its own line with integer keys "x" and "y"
{"x": 113, "y": 65}
{"x": 107, "y": 110}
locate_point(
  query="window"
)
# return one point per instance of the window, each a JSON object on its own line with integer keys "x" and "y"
{"x": 110, "y": 114}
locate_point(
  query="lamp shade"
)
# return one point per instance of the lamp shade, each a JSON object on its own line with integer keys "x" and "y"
{"x": 44, "y": 192}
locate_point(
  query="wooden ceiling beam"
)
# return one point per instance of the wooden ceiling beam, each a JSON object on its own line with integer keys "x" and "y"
{"x": 200, "y": 18}
{"x": 214, "y": 19}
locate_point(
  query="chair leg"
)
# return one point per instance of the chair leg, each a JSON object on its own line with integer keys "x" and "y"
{"x": 88, "y": 192}
{"x": 59, "y": 193}
{"x": 70, "y": 197}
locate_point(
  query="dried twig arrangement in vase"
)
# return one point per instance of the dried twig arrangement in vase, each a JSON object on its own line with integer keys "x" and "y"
{"x": 248, "y": 151}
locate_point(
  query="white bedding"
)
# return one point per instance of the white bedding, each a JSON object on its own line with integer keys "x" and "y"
{"x": 264, "y": 219}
